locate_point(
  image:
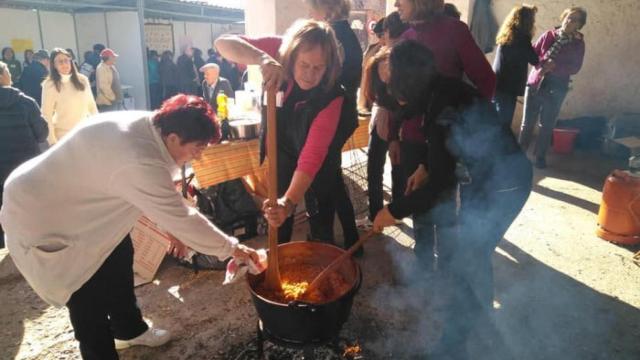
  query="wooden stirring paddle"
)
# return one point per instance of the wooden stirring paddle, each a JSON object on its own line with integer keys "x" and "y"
{"x": 272, "y": 278}
{"x": 335, "y": 263}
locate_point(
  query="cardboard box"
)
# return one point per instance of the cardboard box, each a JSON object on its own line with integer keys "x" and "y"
{"x": 150, "y": 245}
{"x": 622, "y": 147}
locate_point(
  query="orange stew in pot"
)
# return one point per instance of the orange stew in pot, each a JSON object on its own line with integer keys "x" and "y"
{"x": 295, "y": 281}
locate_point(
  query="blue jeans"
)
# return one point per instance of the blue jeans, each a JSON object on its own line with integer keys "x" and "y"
{"x": 436, "y": 234}
{"x": 544, "y": 104}
{"x": 461, "y": 289}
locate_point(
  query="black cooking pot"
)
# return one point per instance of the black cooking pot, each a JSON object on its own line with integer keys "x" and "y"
{"x": 301, "y": 322}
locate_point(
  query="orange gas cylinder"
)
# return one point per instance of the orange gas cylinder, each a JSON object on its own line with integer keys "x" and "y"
{"x": 619, "y": 215}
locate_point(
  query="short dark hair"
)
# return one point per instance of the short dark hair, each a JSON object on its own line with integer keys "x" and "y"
{"x": 413, "y": 68}
{"x": 98, "y": 48}
{"x": 452, "y": 11}
{"x": 394, "y": 25}
{"x": 378, "y": 28}
{"x": 188, "y": 116}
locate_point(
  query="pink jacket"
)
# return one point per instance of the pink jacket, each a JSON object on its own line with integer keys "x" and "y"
{"x": 568, "y": 61}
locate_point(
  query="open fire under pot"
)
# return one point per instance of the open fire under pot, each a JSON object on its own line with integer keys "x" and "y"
{"x": 308, "y": 321}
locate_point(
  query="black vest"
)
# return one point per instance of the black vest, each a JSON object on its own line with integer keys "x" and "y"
{"x": 293, "y": 128}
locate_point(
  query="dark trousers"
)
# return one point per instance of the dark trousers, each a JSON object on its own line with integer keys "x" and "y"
{"x": 541, "y": 108}
{"x": 155, "y": 95}
{"x": 327, "y": 197}
{"x": 169, "y": 91}
{"x": 116, "y": 106}
{"x": 285, "y": 230}
{"x": 190, "y": 88}
{"x": 2, "y": 180}
{"x": 105, "y": 307}
{"x": 505, "y": 104}
{"x": 377, "y": 157}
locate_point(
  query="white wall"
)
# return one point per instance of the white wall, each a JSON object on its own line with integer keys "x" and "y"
{"x": 260, "y": 17}
{"x": 179, "y": 35}
{"x": 120, "y": 31}
{"x": 19, "y": 24}
{"x": 200, "y": 35}
{"x": 58, "y": 30}
{"x": 91, "y": 30}
{"x": 287, "y": 12}
{"x": 123, "y": 30}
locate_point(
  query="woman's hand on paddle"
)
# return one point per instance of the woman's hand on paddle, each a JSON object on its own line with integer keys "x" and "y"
{"x": 383, "y": 219}
{"x": 276, "y": 215}
{"x": 272, "y": 73}
{"x": 417, "y": 179}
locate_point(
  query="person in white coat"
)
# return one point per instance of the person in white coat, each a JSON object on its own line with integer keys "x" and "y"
{"x": 67, "y": 214}
{"x": 66, "y": 96}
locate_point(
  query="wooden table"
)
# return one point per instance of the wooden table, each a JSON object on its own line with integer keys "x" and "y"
{"x": 236, "y": 159}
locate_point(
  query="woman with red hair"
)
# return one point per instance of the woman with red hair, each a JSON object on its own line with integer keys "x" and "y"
{"x": 70, "y": 239}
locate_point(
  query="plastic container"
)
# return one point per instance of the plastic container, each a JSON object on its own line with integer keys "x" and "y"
{"x": 564, "y": 139}
{"x": 619, "y": 215}
{"x": 223, "y": 110}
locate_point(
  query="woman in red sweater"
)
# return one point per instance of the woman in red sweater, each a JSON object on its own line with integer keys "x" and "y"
{"x": 305, "y": 66}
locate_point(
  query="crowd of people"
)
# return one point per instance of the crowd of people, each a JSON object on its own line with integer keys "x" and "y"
{"x": 437, "y": 107}
{"x": 187, "y": 74}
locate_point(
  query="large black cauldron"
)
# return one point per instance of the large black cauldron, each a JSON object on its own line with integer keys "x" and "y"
{"x": 300, "y": 322}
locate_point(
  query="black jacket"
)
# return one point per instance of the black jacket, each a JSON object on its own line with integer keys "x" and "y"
{"x": 31, "y": 80}
{"x": 511, "y": 63}
{"x": 168, "y": 74}
{"x": 294, "y": 120}
{"x": 21, "y": 129}
{"x": 352, "y": 65}
{"x": 186, "y": 71}
{"x": 465, "y": 142}
{"x": 222, "y": 84}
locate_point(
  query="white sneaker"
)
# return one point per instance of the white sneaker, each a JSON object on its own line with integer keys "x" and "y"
{"x": 364, "y": 223}
{"x": 152, "y": 337}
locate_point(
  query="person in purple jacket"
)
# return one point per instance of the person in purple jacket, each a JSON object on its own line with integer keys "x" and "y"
{"x": 561, "y": 52}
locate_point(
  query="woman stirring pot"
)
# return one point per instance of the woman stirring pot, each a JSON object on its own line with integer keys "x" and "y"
{"x": 304, "y": 65}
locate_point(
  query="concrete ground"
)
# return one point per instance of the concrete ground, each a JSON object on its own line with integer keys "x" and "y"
{"x": 561, "y": 292}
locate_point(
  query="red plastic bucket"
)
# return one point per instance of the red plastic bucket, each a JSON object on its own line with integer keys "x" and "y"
{"x": 563, "y": 140}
